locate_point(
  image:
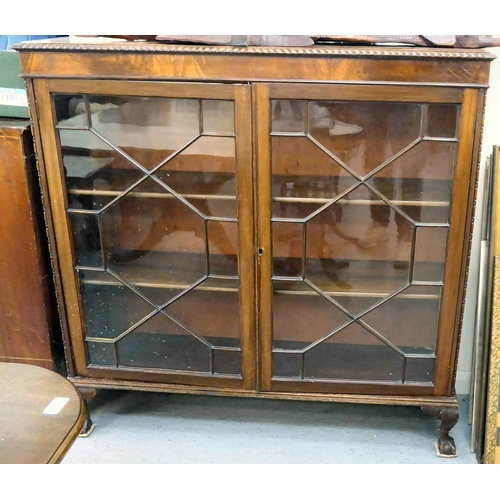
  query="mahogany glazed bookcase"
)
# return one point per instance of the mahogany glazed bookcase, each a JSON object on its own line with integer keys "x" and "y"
{"x": 288, "y": 223}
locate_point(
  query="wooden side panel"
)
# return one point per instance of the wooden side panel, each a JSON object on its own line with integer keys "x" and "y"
{"x": 28, "y": 330}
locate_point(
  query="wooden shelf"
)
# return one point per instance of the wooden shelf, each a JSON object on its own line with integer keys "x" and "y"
{"x": 370, "y": 279}
{"x": 373, "y": 279}
{"x": 157, "y": 270}
{"x": 321, "y": 190}
{"x": 140, "y": 194}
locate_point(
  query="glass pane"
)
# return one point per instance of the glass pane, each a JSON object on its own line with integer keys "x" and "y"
{"x": 420, "y": 369}
{"x": 442, "y": 120}
{"x": 430, "y": 253}
{"x": 288, "y": 116}
{"x": 92, "y": 165}
{"x": 101, "y": 354}
{"x": 70, "y": 111}
{"x": 353, "y": 354}
{"x": 160, "y": 343}
{"x": 287, "y": 248}
{"x": 301, "y": 316}
{"x": 110, "y": 308}
{"x": 355, "y": 248}
{"x": 78, "y": 200}
{"x": 420, "y": 181}
{"x": 149, "y": 129}
{"x": 86, "y": 239}
{"x": 385, "y": 178}
{"x": 286, "y": 364}
{"x": 218, "y": 117}
{"x": 364, "y": 135}
{"x": 396, "y": 320}
{"x": 204, "y": 174}
{"x": 223, "y": 248}
{"x": 155, "y": 240}
{"x": 227, "y": 362}
{"x": 302, "y": 170}
{"x": 211, "y": 311}
{"x": 154, "y": 300}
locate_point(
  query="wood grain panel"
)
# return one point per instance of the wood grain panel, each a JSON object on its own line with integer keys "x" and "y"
{"x": 263, "y": 217}
{"x": 214, "y": 67}
{"x": 244, "y": 172}
{"x": 29, "y": 329}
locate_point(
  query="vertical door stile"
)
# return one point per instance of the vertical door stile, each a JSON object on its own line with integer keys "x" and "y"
{"x": 61, "y": 246}
{"x": 263, "y": 215}
{"x": 244, "y": 173}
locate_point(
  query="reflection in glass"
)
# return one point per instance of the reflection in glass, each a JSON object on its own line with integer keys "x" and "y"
{"x": 158, "y": 238}
{"x": 430, "y": 253}
{"x": 160, "y": 343}
{"x": 154, "y": 236}
{"x": 287, "y": 247}
{"x": 218, "y": 117}
{"x": 356, "y": 185}
{"x": 214, "y": 299}
{"x": 301, "y": 316}
{"x": 419, "y": 182}
{"x": 223, "y": 248}
{"x": 149, "y": 129}
{"x": 302, "y": 170}
{"x": 86, "y": 239}
{"x": 395, "y": 319}
{"x": 110, "y": 308}
{"x": 353, "y": 354}
{"x": 92, "y": 165}
{"x": 288, "y": 116}
{"x": 204, "y": 173}
{"x": 442, "y": 120}
{"x": 70, "y": 111}
{"x": 365, "y": 135}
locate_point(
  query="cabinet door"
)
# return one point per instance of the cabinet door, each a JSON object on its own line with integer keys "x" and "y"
{"x": 363, "y": 196}
{"x": 151, "y": 194}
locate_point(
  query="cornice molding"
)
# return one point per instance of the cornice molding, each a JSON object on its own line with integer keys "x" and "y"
{"x": 317, "y": 50}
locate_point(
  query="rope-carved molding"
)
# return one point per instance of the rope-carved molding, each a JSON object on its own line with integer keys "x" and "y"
{"x": 288, "y": 51}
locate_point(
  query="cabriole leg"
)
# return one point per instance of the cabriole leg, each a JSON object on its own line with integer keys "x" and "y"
{"x": 89, "y": 426}
{"x": 449, "y": 417}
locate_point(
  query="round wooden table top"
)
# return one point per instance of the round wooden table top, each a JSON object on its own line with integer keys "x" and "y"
{"x": 41, "y": 415}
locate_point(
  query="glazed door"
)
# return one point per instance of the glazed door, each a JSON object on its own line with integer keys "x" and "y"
{"x": 363, "y": 193}
{"x": 151, "y": 194}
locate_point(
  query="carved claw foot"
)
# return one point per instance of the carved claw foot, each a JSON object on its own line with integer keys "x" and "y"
{"x": 449, "y": 417}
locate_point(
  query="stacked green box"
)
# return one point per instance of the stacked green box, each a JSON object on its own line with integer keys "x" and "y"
{"x": 13, "y": 100}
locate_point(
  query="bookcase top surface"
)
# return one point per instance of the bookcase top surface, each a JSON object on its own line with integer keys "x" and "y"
{"x": 324, "y": 50}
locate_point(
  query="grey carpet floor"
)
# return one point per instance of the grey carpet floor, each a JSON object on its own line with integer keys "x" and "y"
{"x": 153, "y": 428}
